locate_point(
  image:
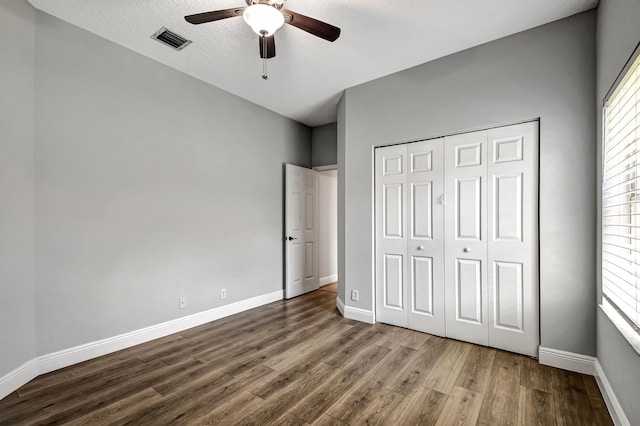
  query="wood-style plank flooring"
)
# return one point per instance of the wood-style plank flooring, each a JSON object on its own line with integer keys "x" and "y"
{"x": 299, "y": 362}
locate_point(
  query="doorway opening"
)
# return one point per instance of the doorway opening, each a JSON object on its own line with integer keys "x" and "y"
{"x": 328, "y": 228}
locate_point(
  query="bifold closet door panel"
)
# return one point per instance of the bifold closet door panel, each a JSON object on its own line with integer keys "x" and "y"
{"x": 425, "y": 244}
{"x": 513, "y": 238}
{"x": 391, "y": 234}
{"x": 465, "y": 227}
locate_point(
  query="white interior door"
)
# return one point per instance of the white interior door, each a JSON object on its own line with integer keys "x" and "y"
{"x": 425, "y": 244}
{"x": 512, "y": 238}
{"x": 391, "y": 232}
{"x": 301, "y": 252}
{"x": 465, "y": 238}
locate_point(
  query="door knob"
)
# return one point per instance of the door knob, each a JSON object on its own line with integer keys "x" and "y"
{"x": 466, "y": 249}
{"x": 291, "y": 238}
{"x": 420, "y": 247}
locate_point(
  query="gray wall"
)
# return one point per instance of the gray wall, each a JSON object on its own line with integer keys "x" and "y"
{"x": 17, "y": 317}
{"x": 617, "y": 36}
{"x": 324, "y": 140}
{"x": 150, "y": 185}
{"x": 546, "y": 72}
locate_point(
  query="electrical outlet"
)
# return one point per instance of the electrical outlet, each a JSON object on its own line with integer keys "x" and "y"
{"x": 182, "y": 302}
{"x": 223, "y": 293}
{"x": 354, "y": 295}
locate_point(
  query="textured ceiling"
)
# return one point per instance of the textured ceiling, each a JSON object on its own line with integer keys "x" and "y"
{"x": 308, "y": 74}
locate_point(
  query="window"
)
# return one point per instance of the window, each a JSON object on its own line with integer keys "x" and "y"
{"x": 621, "y": 203}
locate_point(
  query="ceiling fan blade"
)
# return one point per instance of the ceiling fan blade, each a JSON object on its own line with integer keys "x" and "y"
{"x": 216, "y": 15}
{"x": 312, "y": 26}
{"x": 271, "y": 47}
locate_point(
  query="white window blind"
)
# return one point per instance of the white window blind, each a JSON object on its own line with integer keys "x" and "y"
{"x": 621, "y": 197}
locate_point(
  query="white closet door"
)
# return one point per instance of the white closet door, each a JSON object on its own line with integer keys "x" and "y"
{"x": 425, "y": 244}
{"x": 512, "y": 241}
{"x": 456, "y": 237}
{"x": 466, "y": 237}
{"x": 391, "y": 234}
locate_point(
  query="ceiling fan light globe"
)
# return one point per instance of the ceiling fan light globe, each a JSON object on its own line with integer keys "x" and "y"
{"x": 263, "y": 19}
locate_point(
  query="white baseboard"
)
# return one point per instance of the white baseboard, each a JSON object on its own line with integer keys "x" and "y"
{"x": 615, "y": 409}
{"x": 328, "y": 279}
{"x": 18, "y": 377}
{"x": 340, "y": 305}
{"x": 66, "y": 357}
{"x": 567, "y": 360}
{"x": 586, "y": 365}
{"x": 358, "y": 314}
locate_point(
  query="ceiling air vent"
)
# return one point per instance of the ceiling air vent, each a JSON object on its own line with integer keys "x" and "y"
{"x": 171, "y": 39}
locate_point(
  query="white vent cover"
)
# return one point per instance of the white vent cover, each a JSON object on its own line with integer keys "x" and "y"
{"x": 171, "y": 39}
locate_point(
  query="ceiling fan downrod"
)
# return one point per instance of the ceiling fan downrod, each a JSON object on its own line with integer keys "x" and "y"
{"x": 264, "y": 58}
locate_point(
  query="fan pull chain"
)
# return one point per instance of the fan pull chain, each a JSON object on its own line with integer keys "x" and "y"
{"x": 264, "y": 56}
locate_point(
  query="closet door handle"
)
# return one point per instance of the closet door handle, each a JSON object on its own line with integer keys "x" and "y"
{"x": 420, "y": 248}
{"x": 466, "y": 249}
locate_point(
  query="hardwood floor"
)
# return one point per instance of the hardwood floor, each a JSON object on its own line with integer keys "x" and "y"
{"x": 299, "y": 362}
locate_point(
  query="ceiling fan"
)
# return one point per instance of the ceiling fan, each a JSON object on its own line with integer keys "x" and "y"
{"x": 265, "y": 17}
